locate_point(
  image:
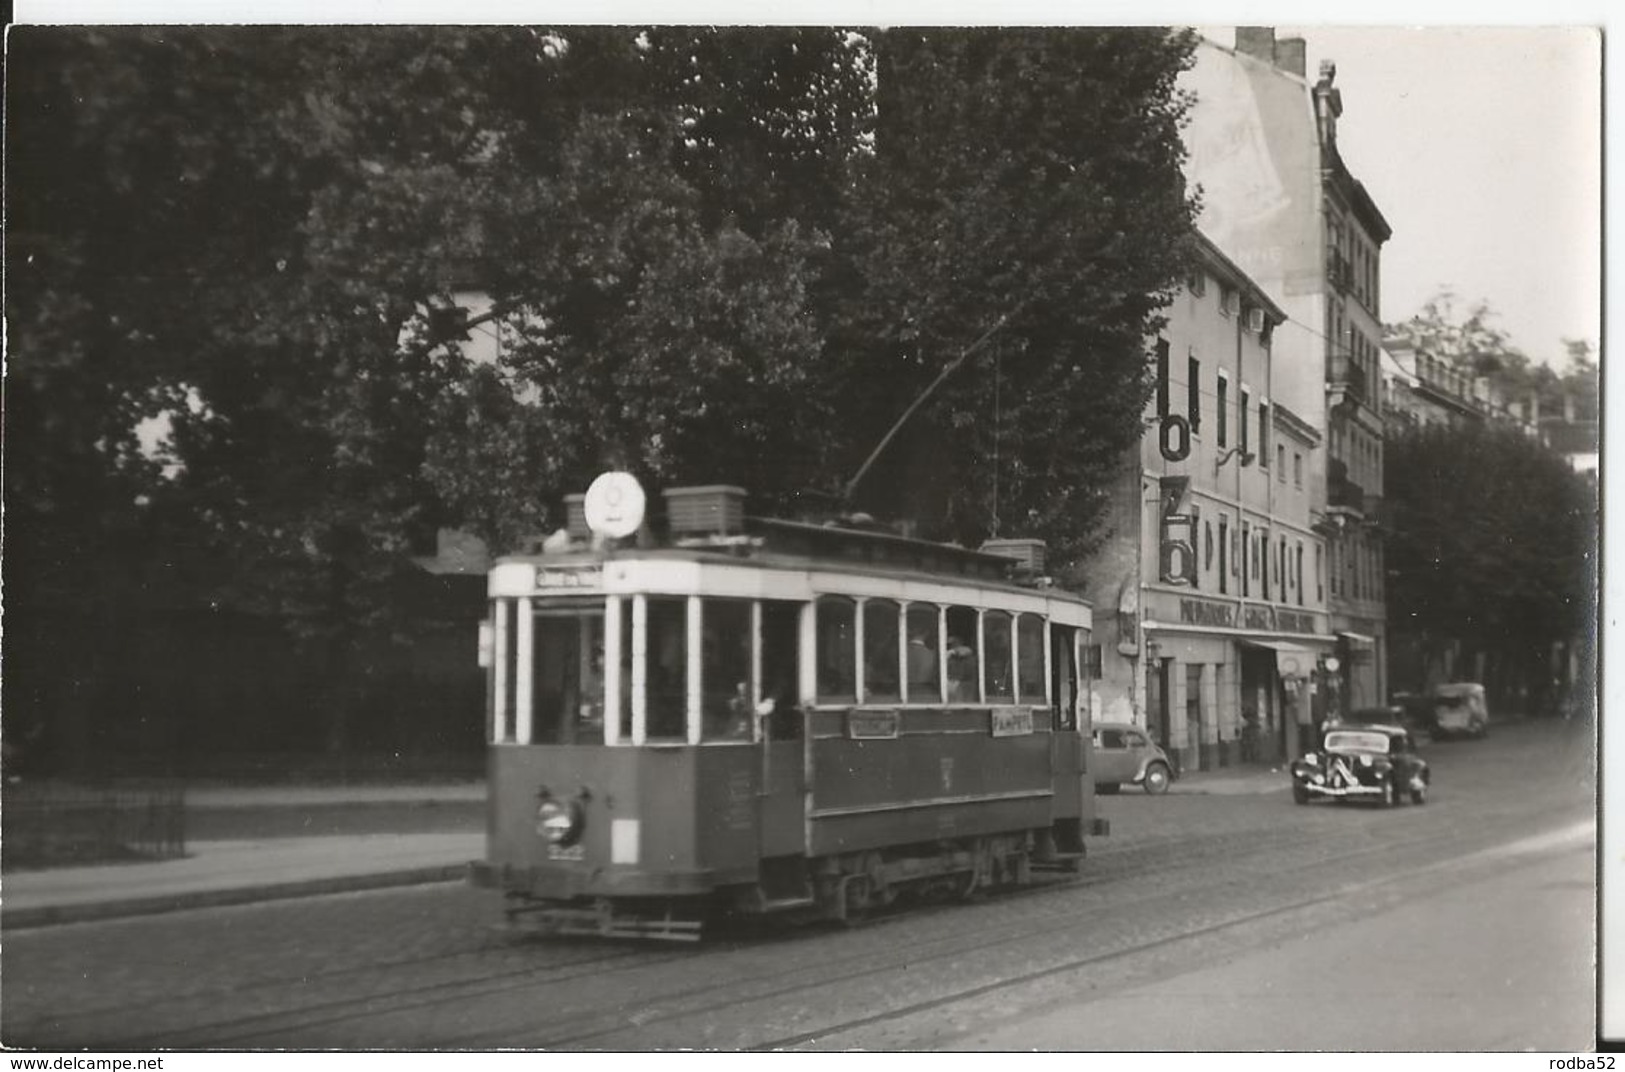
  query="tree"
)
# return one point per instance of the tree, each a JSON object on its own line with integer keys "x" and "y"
{"x": 1025, "y": 203}
{"x": 1492, "y": 543}
{"x": 234, "y": 238}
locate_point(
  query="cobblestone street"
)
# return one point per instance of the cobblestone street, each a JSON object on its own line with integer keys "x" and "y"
{"x": 1185, "y": 880}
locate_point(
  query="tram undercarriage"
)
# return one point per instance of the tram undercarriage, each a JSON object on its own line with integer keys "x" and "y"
{"x": 843, "y": 888}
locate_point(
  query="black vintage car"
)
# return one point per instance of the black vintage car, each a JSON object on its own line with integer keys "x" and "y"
{"x": 1364, "y": 761}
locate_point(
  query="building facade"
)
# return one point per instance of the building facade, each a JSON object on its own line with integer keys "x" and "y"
{"x": 1280, "y": 200}
{"x": 1215, "y": 571}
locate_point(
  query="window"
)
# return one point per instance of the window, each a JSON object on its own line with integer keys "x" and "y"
{"x": 1300, "y": 572}
{"x": 1242, "y": 411}
{"x": 1111, "y": 739}
{"x": 1196, "y": 283}
{"x": 1297, "y": 469}
{"x": 924, "y": 651}
{"x": 1281, "y": 575}
{"x": 1224, "y": 538}
{"x": 726, "y": 688}
{"x": 998, "y": 672}
{"x": 1264, "y": 435}
{"x": 1030, "y": 659}
{"x": 881, "y": 664}
{"x": 1196, "y": 546}
{"x": 963, "y": 684}
{"x": 1246, "y": 559}
{"x": 1261, "y": 555}
{"x": 1320, "y": 586}
{"x": 1193, "y": 393}
{"x": 567, "y": 682}
{"x": 1162, "y": 377}
{"x": 1280, "y": 463}
{"x": 1091, "y": 663}
{"x": 666, "y": 683}
{"x": 781, "y": 667}
{"x": 1222, "y": 411}
{"x": 837, "y": 650}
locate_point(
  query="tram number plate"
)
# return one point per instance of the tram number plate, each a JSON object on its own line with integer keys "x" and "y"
{"x": 1011, "y": 721}
{"x": 572, "y": 852}
{"x": 862, "y": 724}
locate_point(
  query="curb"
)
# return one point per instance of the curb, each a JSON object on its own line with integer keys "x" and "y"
{"x": 18, "y": 919}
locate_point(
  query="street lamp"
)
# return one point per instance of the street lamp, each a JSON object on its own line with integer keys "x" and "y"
{"x": 1246, "y": 458}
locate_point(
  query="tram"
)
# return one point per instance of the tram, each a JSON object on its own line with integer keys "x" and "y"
{"x": 759, "y": 716}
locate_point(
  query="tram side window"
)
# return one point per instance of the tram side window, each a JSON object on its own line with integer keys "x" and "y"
{"x": 1030, "y": 658}
{"x": 999, "y": 672}
{"x": 837, "y": 650}
{"x": 725, "y": 685}
{"x": 962, "y": 655}
{"x": 924, "y": 641}
{"x": 781, "y": 667}
{"x": 666, "y": 685}
{"x": 880, "y": 669}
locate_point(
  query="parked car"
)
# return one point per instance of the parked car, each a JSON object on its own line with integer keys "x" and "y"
{"x": 1362, "y": 761}
{"x": 1459, "y": 708}
{"x": 1123, "y": 753}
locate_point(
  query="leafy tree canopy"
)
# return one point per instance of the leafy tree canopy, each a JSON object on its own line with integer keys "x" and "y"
{"x": 1492, "y": 538}
{"x": 715, "y": 254}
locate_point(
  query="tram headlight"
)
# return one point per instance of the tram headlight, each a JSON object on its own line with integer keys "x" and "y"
{"x": 560, "y": 822}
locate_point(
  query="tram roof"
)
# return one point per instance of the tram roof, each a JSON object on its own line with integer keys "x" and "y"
{"x": 779, "y": 544}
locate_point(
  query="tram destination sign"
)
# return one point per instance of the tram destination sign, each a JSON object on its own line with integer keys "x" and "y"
{"x": 551, "y": 579}
{"x": 1011, "y": 721}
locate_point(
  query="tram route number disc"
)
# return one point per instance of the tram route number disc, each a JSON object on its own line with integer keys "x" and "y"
{"x": 614, "y": 505}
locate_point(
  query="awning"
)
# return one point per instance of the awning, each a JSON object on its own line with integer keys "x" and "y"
{"x": 1358, "y": 640}
{"x": 1291, "y": 660}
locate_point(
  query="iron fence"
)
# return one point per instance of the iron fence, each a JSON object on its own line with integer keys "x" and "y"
{"x": 49, "y": 822}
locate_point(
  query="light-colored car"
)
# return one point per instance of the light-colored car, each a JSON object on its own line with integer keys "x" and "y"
{"x": 1124, "y": 753}
{"x": 1458, "y": 709}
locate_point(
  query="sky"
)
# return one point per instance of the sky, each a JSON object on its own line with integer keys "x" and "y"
{"x": 1483, "y": 149}
{"x": 1482, "y": 144}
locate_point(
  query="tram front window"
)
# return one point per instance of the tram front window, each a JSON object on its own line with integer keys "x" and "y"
{"x": 567, "y": 678}
{"x": 725, "y": 689}
{"x": 667, "y": 683}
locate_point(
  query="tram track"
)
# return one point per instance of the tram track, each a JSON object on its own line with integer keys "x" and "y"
{"x": 1030, "y": 927}
{"x": 1059, "y": 919}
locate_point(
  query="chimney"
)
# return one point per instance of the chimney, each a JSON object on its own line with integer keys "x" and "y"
{"x": 1290, "y": 55}
{"x": 1256, "y": 41}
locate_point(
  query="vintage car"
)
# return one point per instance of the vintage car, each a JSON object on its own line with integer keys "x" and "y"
{"x": 1459, "y": 709}
{"x": 1123, "y": 753}
{"x": 1368, "y": 761}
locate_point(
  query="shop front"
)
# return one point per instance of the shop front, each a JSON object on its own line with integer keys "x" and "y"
{"x": 1230, "y": 681}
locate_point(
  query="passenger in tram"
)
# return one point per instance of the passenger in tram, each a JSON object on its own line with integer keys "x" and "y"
{"x": 922, "y": 665}
{"x": 961, "y": 672}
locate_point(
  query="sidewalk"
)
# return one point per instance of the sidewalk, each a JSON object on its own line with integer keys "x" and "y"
{"x": 264, "y": 863}
{"x": 1232, "y": 781}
